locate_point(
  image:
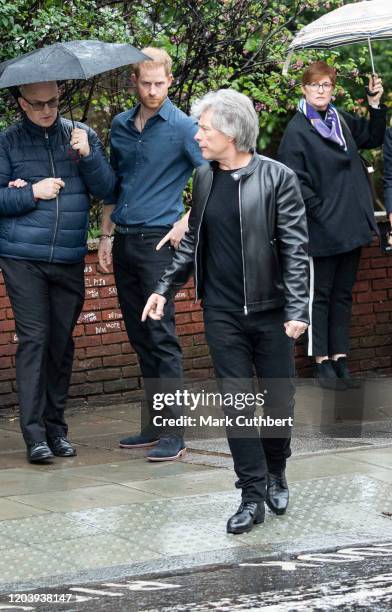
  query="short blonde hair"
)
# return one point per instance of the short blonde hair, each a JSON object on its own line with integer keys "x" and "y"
{"x": 159, "y": 57}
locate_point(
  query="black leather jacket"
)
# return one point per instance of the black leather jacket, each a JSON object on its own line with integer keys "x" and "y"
{"x": 274, "y": 239}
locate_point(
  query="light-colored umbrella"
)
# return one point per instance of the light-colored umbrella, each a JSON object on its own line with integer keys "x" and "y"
{"x": 351, "y": 23}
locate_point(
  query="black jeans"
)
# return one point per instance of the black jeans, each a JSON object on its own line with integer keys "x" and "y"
{"x": 331, "y": 285}
{"x": 46, "y": 300}
{"x": 137, "y": 269}
{"x": 239, "y": 344}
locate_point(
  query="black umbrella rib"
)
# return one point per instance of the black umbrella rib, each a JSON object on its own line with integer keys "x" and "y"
{"x": 76, "y": 57}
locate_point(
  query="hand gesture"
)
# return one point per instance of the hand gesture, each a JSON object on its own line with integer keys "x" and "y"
{"x": 105, "y": 254}
{"x": 154, "y": 307}
{"x": 48, "y": 188}
{"x": 176, "y": 234}
{"x": 79, "y": 141}
{"x": 295, "y": 329}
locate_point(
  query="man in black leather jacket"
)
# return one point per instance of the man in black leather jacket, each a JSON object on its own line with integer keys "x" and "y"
{"x": 247, "y": 243}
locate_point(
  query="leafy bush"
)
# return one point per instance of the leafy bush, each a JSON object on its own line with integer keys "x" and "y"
{"x": 214, "y": 43}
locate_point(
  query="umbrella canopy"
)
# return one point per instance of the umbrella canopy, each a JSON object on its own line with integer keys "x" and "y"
{"x": 351, "y": 23}
{"x": 78, "y": 59}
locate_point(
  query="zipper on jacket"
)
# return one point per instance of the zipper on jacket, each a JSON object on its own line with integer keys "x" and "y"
{"x": 242, "y": 248}
{"x": 57, "y": 199}
{"x": 198, "y": 237}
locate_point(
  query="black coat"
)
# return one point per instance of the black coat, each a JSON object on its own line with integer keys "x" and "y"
{"x": 273, "y": 239}
{"x": 388, "y": 170}
{"x": 334, "y": 184}
{"x": 49, "y": 230}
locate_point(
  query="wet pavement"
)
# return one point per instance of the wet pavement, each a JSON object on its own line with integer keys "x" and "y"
{"x": 351, "y": 578}
{"x": 108, "y": 514}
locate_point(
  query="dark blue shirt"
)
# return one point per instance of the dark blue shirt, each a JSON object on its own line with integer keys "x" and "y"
{"x": 153, "y": 166}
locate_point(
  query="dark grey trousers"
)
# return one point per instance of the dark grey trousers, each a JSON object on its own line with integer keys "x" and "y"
{"x": 46, "y": 300}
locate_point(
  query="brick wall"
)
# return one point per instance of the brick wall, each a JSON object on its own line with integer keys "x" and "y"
{"x": 106, "y": 369}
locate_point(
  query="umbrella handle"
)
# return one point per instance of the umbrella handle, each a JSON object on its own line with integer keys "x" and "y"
{"x": 369, "y": 92}
{"x": 69, "y": 104}
{"x": 371, "y": 56}
{"x": 286, "y": 65}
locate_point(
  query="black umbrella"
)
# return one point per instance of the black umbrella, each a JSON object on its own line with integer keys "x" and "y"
{"x": 77, "y": 59}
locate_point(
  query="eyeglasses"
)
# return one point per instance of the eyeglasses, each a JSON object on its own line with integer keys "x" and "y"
{"x": 316, "y": 86}
{"x": 39, "y": 106}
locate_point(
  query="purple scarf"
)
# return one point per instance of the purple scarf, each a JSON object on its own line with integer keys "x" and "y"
{"x": 330, "y": 127}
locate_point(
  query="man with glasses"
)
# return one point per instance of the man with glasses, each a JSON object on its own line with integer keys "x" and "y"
{"x": 321, "y": 144}
{"x": 47, "y": 172}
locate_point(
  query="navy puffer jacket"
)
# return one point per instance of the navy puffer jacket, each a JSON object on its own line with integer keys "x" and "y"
{"x": 48, "y": 230}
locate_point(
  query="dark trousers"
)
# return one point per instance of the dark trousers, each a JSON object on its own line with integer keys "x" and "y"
{"x": 331, "y": 284}
{"x": 46, "y": 300}
{"x": 137, "y": 269}
{"x": 239, "y": 344}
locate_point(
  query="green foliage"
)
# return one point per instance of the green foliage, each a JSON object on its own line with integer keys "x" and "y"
{"x": 214, "y": 43}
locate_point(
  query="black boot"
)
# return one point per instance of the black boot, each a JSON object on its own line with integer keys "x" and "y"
{"x": 327, "y": 377}
{"x": 277, "y": 498}
{"x": 342, "y": 372}
{"x": 247, "y": 515}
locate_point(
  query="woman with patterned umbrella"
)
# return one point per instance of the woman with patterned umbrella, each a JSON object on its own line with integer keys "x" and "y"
{"x": 321, "y": 145}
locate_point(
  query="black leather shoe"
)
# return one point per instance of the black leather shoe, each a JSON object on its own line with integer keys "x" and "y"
{"x": 277, "y": 498}
{"x": 327, "y": 377}
{"x": 62, "y": 448}
{"x": 247, "y": 515}
{"x": 343, "y": 373}
{"x": 39, "y": 452}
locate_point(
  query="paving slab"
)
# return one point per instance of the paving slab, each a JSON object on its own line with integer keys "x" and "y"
{"x": 109, "y": 442}
{"x": 26, "y": 563}
{"x": 96, "y": 551}
{"x": 27, "y": 482}
{"x": 134, "y": 469}
{"x": 11, "y": 441}
{"x": 49, "y": 527}
{"x": 122, "y": 412}
{"x": 93, "y": 425}
{"x": 13, "y": 510}
{"x": 333, "y": 464}
{"x": 301, "y": 444}
{"x": 9, "y": 423}
{"x": 88, "y": 497}
{"x": 184, "y": 484}
{"x": 373, "y": 457}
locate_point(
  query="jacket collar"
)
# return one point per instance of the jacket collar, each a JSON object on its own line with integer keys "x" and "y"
{"x": 38, "y": 130}
{"x": 241, "y": 172}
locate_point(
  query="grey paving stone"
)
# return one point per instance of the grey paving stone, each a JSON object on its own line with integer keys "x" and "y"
{"x": 50, "y": 527}
{"x": 87, "y": 497}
